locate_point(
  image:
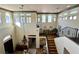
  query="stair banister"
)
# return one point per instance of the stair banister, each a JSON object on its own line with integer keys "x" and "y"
{"x": 47, "y": 45}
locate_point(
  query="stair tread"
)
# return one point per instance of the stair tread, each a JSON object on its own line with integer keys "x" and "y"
{"x": 52, "y": 49}
{"x": 55, "y": 50}
{"x": 51, "y": 45}
{"x": 50, "y": 41}
{"x": 53, "y": 53}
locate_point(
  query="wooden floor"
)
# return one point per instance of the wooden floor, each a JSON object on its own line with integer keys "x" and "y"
{"x": 51, "y": 44}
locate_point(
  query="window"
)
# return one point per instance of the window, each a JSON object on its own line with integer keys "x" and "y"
{"x": 74, "y": 12}
{"x": 22, "y": 19}
{"x": 70, "y": 17}
{"x": 65, "y": 18}
{"x": 49, "y": 18}
{"x": 0, "y": 19}
{"x": 16, "y": 20}
{"x": 60, "y": 18}
{"x": 74, "y": 17}
{"x": 28, "y": 14}
{"x": 28, "y": 17}
{"x": 43, "y": 18}
{"x": 65, "y": 14}
{"x": 54, "y": 19}
{"x": 38, "y": 20}
{"x": 7, "y": 18}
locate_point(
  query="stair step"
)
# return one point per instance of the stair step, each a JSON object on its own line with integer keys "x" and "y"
{"x": 51, "y": 41}
{"x": 52, "y": 50}
{"x": 52, "y": 47}
{"x": 50, "y": 38}
{"x": 49, "y": 44}
{"x": 53, "y": 53}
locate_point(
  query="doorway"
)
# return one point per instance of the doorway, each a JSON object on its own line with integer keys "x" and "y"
{"x": 32, "y": 42}
{"x": 8, "y": 46}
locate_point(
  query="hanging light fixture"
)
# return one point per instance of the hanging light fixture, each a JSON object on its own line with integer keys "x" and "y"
{"x": 21, "y": 7}
{"x": 22, "y": 20}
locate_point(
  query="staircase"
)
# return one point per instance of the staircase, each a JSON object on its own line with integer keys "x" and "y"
{"x": 51, "y": 45}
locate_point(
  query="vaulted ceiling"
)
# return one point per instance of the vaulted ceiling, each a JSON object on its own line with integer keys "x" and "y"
{"x": 44, "y": 8}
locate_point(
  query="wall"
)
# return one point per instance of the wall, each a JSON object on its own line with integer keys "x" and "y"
{"x": 30, "y": 28}
{"x": 27, "y": 29}
{"x": 5, "y": 30}
{"x": 48, "y": 25}
{"x": 69, "y": 23}
{"x": 64, "y": 42}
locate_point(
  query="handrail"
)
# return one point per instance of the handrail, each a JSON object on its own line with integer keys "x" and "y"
{"x": 45, "y": 37}
{"x": 47, "y": 44}
{"x": 69, "y": 28}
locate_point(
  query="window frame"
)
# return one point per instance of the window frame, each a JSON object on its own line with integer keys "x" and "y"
{"x": 50, "y": 18}
{"x": 28, "y": 18}
{"x": 43, "y": 20}
{"x": 8, "y": 21}
{"x": 1, "y": 19}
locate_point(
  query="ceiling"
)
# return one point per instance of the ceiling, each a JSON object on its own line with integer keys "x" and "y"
{"x": 43, "y": 8}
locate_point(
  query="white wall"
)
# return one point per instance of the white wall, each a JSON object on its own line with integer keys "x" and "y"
{"x": 69, "y": 23}
{"x": 48, "y": 25}
{"x": 28, "y": 29}
{"x": 64, "y": 42}
{"x": 5, "y": 30}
